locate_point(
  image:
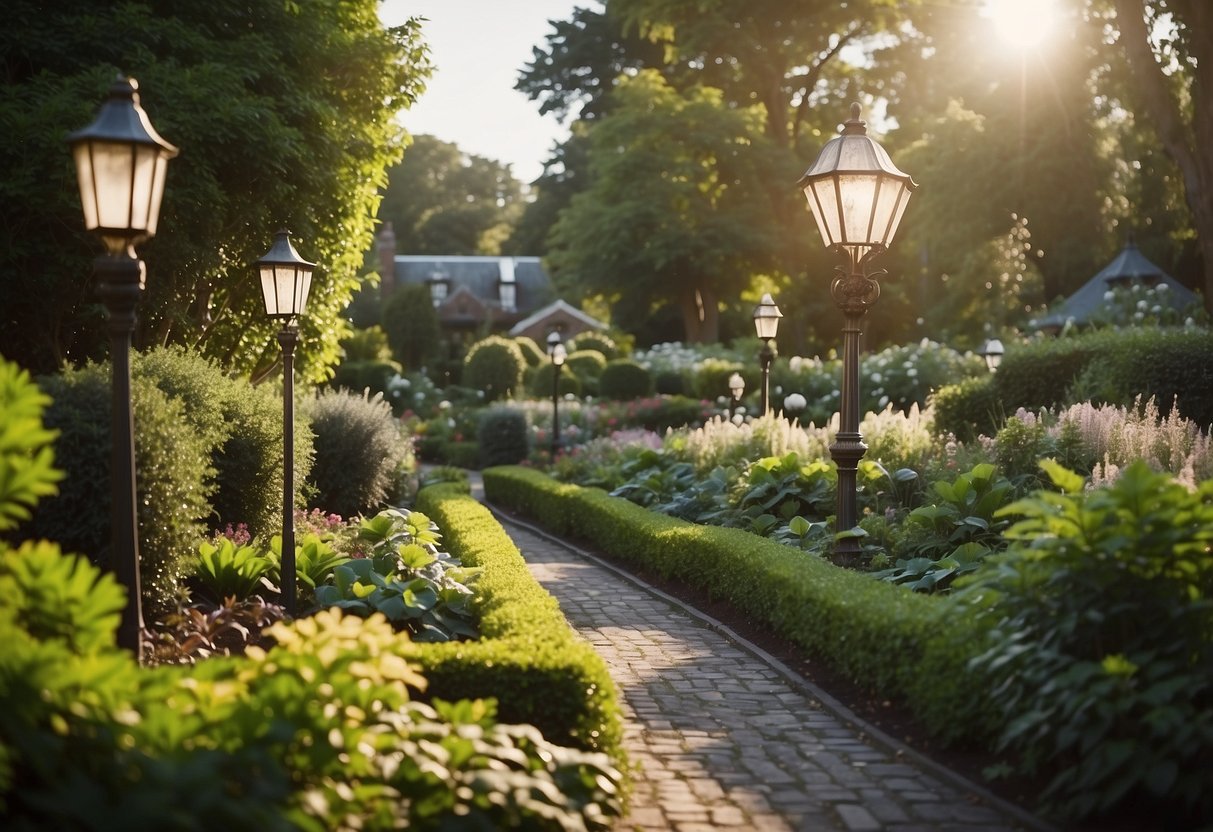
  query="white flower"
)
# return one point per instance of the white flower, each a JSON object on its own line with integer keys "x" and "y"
{"x": 1155, "y": 309}
{"x": 444, "y": 405}
{"x": 912, "y": 372}
{"x": 876, "y": 378}
{"x": 1141, "y": 304}
{"x": 1109, "y": 295}
{"x": 882, "y": 401}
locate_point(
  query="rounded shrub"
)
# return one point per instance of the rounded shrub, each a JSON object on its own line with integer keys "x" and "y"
{"x": 502, "y": 436}
{"x": 587, "y": 365}
{"x": 357, "y": 376}
{"x": 360, "y": 453}
{"x": 671, "y": 383}
{"x": 624, "y": 379}
{"x": 968, "y": 409}
{"x": 495, "y": 366}
{"x": 243, "y": 423}
{"x": 541, "y": 382}
{"x": 531, "y": 352}
{"x": 598, "y": 342}
{"x": 173, "y": 478}
{"x": 369, "y": 344}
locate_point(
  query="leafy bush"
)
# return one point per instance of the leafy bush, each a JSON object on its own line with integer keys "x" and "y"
{"x": 369, "y": 344}
{"x": 228, "y": 570}
{"x": 670, "y": 383}
{"x": 502, "y": 436}
{"x": 244, "y": 424}
{"x": 1100, "y": 643}
{"x": 357, "y": 376}
{"x": 531, "y": 352}
{"x": 587, "y": 366}
{"x": 173, "y": 475}
{"x": 967, "y": 409}
{"x": 406, "y": 578}
{"x": 711, "y": 378}
{"x": 495, "y": 366}
{"x": 541, "y": 382}
{"x": 624, "y": 379}
{"x": 26, "y": 452}
{"x": 360, "y": 453}
{"x": 598, "y": 342}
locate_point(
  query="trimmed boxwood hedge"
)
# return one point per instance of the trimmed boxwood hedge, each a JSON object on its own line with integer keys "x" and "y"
{"x": 876, "y": 634}
{"x": 528, "y": 658}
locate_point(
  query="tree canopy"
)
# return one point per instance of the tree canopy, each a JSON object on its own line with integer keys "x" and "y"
{"x": 285, "y": 117}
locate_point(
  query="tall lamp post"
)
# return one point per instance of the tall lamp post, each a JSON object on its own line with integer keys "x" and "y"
{"x": 558, "y": 354}
{"x": 993, "y": 352}
{"x": 121, "y": 163}
{"x": 858, "y": 196}
{"x": 736, "y": 388}
{"x": 286, "y": 279}
{"x": 766, "y": 324}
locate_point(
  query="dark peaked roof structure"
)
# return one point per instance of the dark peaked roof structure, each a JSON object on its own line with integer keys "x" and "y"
{"x": 1128, "y": 268}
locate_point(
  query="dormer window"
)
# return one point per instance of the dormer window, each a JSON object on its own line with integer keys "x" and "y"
{"x": 507, "y": 289}
{"x": 440, "y": 287}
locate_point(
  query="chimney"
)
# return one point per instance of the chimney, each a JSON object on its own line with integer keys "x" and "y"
{"x": 385, "y": 246}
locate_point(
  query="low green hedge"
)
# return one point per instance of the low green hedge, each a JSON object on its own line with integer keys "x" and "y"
{"x": 874, "y": 633}
{"x": 528, "y": 658}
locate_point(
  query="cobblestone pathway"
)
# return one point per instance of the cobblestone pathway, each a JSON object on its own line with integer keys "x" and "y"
{"x": 722, "y": 739}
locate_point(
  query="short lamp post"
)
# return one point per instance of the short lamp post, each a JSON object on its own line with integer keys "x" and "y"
{"x": 766, "y": 324}
{"x": 858, "y": 196}
{"x": 121, "y": 163}
{"x": 736, "y": 389}
{"x": 993, "y": 352}
{"x": 286, "y": 279}
{"x": 558, "y": 354}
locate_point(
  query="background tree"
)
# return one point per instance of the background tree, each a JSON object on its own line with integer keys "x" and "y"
{"x": 285, "y": 116}
{"x": 676, "y": 209}
{"x": 412, "y": 327}
{"x": 441, "y": 200}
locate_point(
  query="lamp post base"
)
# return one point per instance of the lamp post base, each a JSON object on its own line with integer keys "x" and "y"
{"x": 847, "y": 450}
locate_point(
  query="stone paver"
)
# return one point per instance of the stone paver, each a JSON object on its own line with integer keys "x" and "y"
{"x": 721, "y": 739}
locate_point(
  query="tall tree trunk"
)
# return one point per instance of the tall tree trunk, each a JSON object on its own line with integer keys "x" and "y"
{"x": 700, "y": 316}
{"x": 1189, "y": 144}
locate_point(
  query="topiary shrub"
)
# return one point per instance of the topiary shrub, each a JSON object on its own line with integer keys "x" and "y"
{"x": 587, "y": 365}
{"x": 495, "y": 366}
{"x": 671, "y": 383}
{"x": 531, "y": 352}
{"x": 598, "y": 342}
{"x": 541, "y": 382}
{"x": 173, "y": 478}
{"x": 967, "y": 409}
{"x": 502, "y": 436}
{"x": 360, "y": 453}
{"x": 624, "y": 379}
{"x": 1039, "y": 374}
{"x": 356, "y": 376}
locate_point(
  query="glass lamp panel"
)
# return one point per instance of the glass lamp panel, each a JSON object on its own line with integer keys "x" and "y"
{"x": 143, "y": 178}
{"x": 86, "y": 178}
{"x": 284, "y": 295}
{"x": 857, "y": 194}
{"x": 113, "y": 176}
{"x": 559, "y": 355}
{"x": 303, "y": 287}
{"x": 823, "y": 201}
{"x": 899, "y": 209}
{"x": 157, "y": 195}
{"x": 766, "y": 327}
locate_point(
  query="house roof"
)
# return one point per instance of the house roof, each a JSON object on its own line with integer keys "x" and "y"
{"x": 481, "y": 276}
{"x": 1128, "y": 267}
{"x": 556, "y": 307}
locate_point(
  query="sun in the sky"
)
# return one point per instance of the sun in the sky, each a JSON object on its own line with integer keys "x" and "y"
{"x": 1022, "y": 23}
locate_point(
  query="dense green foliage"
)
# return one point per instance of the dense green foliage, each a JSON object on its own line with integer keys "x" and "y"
{"x": 597, "y": 341}
{"x": 26, "y": 450}
{"x": 360, "y": 453}
{"x": 967, "y": 408}
{"x": 243, "y": 423}
{"x": 174, "y": 477}
{"x": 623, "y": 379}
{"x": 494, "y": 366}
{"x": 307, "y": 94}
{"x": 502, "y": 436}
{"x": 1097, "y": 624}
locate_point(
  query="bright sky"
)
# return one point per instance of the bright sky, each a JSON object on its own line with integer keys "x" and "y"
{"x": 478, "y": 48}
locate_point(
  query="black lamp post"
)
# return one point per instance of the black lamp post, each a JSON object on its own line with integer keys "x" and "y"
{"x": 736, "y": 389}
{"x": 286, "y": 279}
{"x": 120, "y": 165}
{"x": 858, "y": 197}
{"x": 766, "y": 324}
{"x": 558, "y": 353}
{"x": 993, "y": 352}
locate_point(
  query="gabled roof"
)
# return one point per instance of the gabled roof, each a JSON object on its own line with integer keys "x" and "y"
{"x": 1128, "y": 267}
{"x": 559, "y": 306}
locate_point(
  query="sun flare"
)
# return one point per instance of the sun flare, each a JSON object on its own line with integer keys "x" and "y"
{"x": 1022, "y": 23}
